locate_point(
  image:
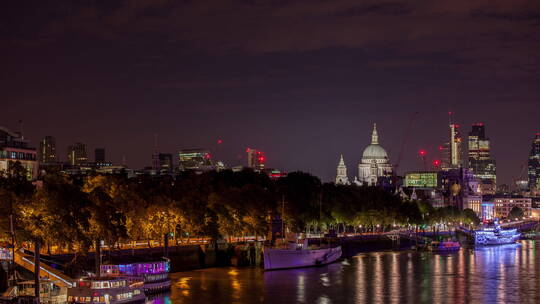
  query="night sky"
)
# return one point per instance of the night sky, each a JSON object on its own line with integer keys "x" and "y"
{"x": 301, "y": 80}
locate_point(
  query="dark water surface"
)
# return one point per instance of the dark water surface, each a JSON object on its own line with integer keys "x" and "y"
{"x": 501, "y": 274}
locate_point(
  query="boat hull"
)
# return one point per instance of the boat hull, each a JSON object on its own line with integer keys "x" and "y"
{"x": 286, "y": 258}
{"x": 157, "y": 287}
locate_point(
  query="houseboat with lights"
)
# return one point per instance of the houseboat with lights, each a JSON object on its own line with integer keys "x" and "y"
{"x": 490, "y": 235}
{"x": 107, "y": 290}
{"x": 154, "y": 275}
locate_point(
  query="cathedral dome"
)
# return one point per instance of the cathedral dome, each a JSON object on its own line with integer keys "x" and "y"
{"x": 374, "y": 152}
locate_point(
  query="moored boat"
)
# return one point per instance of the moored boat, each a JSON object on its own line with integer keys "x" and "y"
{"x": 490, "y": 235}
{"x": 299, "y": 255}
{"x": 155, "y": 275}
{"x": 445, "y": 246}
{"x": 108, "y": 290}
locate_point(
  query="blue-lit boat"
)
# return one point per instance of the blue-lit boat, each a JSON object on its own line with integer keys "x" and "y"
{"x": 492, "y": 235}
{"x": 155, "y": 275}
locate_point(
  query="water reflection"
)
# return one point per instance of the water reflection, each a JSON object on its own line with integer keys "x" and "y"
{"x": 501, "y": 274}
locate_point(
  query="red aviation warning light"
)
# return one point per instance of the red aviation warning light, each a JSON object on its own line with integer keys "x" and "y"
{"x": 422, "y": 153}
{"x": 436, "y": 163}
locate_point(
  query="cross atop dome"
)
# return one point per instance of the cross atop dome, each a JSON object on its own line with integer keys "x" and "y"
{"x": 374, "y": 135}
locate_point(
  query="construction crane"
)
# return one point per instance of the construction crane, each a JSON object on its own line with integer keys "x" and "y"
{"x": 404, "y": 142}
{"x": 521, "y": 171}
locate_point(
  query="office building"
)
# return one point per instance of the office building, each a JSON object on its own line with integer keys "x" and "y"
{"x": 14, "y": 148}
{"x": 166, "y": 162}
{"x": 534, "y": 166}
{"x": 76, "y": 154}
{"x": 194, "y": 159}
{"x": 451, "y": 151}
{"x": 255, "y": 159}
{"x": 47, "y": 150}
{"x": 480, "y": 162}
{"x": 99, "y": 155}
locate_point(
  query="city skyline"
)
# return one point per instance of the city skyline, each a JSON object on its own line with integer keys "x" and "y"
{"x": 241, "y": 159}
{"x": 304, "y": 83}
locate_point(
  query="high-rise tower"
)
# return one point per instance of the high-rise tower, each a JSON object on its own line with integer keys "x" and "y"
{"x": 451, "y": 151}
{"x": 47, "y": 150}
{"x": 99, "y": 155}
{"x": 534, "y": 165}
{"x": 255, "y": 159}
{"x": 77, "y": 154}
{"x": 480, "y": 161}
{"x": 481, "y": 164}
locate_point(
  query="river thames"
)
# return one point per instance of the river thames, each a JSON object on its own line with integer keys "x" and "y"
{"x": 500, "y": 274}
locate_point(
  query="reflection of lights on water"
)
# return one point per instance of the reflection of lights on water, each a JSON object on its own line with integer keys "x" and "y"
{"x": 183, "y": 282}
{"x": 378, "y": 275}
{"x": 394, "y": 283}
{"x": 436, "y": 286}
{"x": 301, "y": 289}
{"x": 325, "y": 280}
{"x": 324, "y": 299}
{"x": 361, "y": 279}
{"x": 235, "y": 284}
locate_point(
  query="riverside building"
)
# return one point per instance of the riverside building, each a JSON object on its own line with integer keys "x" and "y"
{"x": 13, "y": 148}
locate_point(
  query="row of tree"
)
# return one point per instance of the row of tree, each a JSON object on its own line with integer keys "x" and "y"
{"x": 74, "y": 213}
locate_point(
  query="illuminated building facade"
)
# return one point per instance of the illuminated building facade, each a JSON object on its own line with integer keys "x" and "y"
{"x": 534, "y": 166}
{"x": 475, "y": 203}
{"x": 255, "y": 159}
{"x": 76, "y": 154}
{"x": 451, "y": 151}
{"x": 47, "y": 150}
{"x": 341, "y": 176}
{"x": 375, "y": 163}
{"x": 503, "y": 205}
{"x": 194, "y": 159}
{"x": 14, "y": 148}
{"x": 480, "y": 161}
{"x": 488, "y": 211}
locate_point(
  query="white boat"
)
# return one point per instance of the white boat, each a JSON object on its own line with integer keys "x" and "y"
{"x": 496, "y": 236}
{"x": 106, "y": 290}
{"x": 493, "y": 235}
{"x": 299, "y": 255}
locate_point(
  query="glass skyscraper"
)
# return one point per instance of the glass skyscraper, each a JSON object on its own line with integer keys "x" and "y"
{"x": 534, "y": 165}
{"x": 480, "y": 161}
